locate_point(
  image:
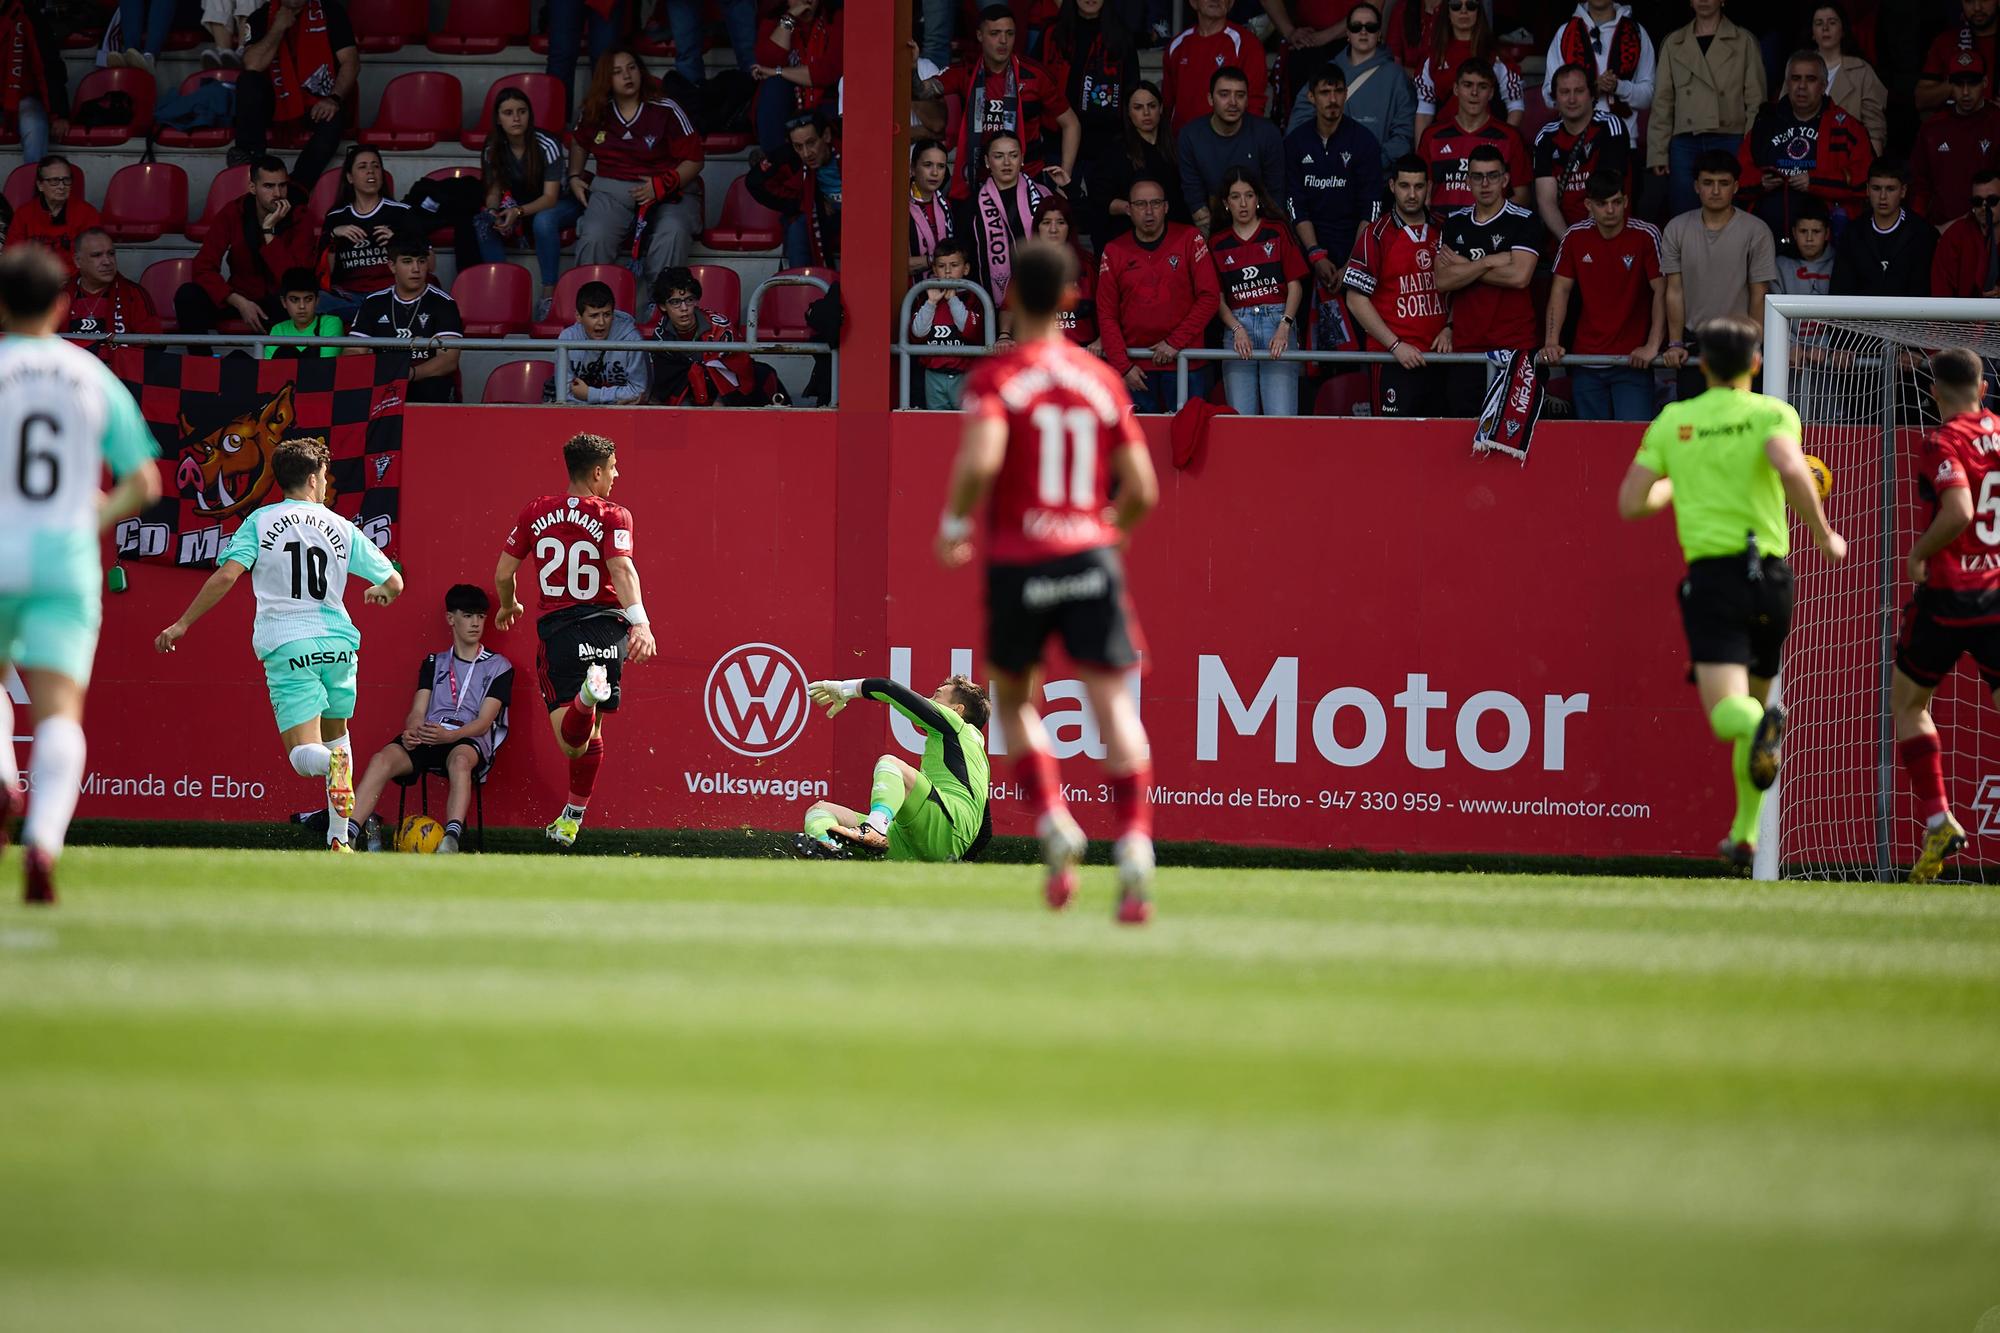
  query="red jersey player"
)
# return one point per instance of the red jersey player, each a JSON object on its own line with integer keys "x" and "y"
{"x": 1956, "y": 567}
{"x": 1392, "y": 292}
{"x": 1047, "y": 426}
{"x": 592, "y": 621}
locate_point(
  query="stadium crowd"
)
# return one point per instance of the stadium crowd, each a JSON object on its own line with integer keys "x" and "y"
{"x": 1421, "y": 177}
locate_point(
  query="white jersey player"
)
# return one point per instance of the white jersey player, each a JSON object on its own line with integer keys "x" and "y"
{"x": 63, "y": 420}
{"x": 298, "y": 554}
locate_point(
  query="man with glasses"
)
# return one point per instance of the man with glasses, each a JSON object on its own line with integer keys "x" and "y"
{"x": 56, "y": 216}
{"x": 1954, "y": 147}
{"x": 1967, "y": 259}
{"x": 697, "y": 379}
{"x": 1156, "y": 293}
{"x": 1485, "y": 263}
{"x": 1979, "y": 33}
{"x": 1380, "y": 96}
{"x": 1448, "y": 144}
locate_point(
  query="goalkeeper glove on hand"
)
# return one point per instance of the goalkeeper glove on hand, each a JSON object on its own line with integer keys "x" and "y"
{"x": 832, "y": 695}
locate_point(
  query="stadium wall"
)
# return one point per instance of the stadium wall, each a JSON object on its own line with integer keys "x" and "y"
{"x": 1360, "y": 636}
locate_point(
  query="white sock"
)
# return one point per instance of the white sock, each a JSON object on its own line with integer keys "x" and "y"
{"x": 336, "y": 823}
{"x": 1936, "y": 820}
{"x": 57, "y": 771}
{"x": 10, "y": 768}
{"x": 311, "y": 760}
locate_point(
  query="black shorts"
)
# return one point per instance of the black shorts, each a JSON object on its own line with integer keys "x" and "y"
{"x": 1411, "y": 393}
{"x": 431, "y": 758}
{"x": 1732, "y": 617}
{"x": 1081, "y": 597}
{"x": 572, "y": 641}
{"x": 1927, "y": 651}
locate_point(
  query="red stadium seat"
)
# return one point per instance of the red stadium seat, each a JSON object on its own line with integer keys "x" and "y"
{"x": 82, "y": 39}
{"x": 731, "y": 141}
{"x": 229, "y": 185}
{"x": 145, "y": 200}
{"x": 161, "y": 280}
{"x": 481, "y": 27}
{"x": 417, "y": 110}
{"x": 214, "y": 136}
{"x": 134, "y": 83}
{"x": 327, "y": 190}
{"x": 781, "y": 315}
{"x": 1340, "y": 394}
{"x": 388, "y": 25}
{"x": 562, "y": 311}
{"x": 186, "y": 39}
{"x": 546, "y": 98}
{"x": 518, "y": 382}
{"x": 494, "y": 300}
{"x": 721, "y": 290}
{"x": 745, "y": 224}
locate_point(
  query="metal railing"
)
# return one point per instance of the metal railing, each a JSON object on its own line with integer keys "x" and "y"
{"x": 904, "y": 349}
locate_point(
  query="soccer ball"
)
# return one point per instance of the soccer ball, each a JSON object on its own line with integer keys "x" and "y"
{"x": 1822, "y": 477}
{"x": 419, "y": 833}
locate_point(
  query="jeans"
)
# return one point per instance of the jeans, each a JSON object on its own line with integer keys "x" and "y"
{"x": 940, "y": 18}
{"x": 942, "y": 389}
{"x": 1158, "y": 395}
{"x": 255, "y": 102}
{"x": 739, "y": 19}
{"x": 566, "y": 20}
{"x": 1682, "y": 150}
{"x": 34, "y": 129}
{"x": 1612, "y": 393}
{"x": 144, "y": 24}
{"x": 798, "y": 242}
{"x": 1275, "y": 382}
{"x": 777, "y": 101}
{"x": 546, "y": 227}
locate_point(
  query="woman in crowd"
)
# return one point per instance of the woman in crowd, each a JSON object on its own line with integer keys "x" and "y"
{"x": 1144, "y": 147}
{"x": 526, "y": 181}
{"x": 1094, "y": 59}
{"x": 1851, "y": 81}
{"x": 645, "y": 198}
{"x": 1464, "y": 35}
{"x": 997, "y": 216}
{"x": 355, "y": 236}
{"x": 930, "y": 211}
{"x": 1262, "y": 273}
{"x": 1079, "y": 322}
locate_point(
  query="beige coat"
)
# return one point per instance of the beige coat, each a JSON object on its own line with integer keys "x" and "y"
{"x": 1858, "y": 90}
{"x": 1717, "y": 92}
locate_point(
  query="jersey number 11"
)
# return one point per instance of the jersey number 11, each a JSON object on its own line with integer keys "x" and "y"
{"x": 1080, "y": 426}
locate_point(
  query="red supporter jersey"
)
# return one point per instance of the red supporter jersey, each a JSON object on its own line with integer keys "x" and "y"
{"x": 1191, "y": 61}
{"x": 658, "y": 138}
{"x": 1447, "y": 151}
{"x": 1395, "y": 266}
{"x": 1065, "y": 411}
{"x": 1964, "y": 577}
{"x": 566, "y": 539}
{"x": 1257, "y": 269}
{"x": 1614, "y": 294}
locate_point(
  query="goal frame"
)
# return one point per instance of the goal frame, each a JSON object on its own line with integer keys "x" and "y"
{"x": 1781, "y": 313}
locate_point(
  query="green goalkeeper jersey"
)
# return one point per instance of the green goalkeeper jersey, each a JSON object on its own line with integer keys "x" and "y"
{"x": 954, "y": 762}
{"x": 1725, "y": 489}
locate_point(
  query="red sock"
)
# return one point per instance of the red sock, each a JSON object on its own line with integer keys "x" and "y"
{"x": 578, "y": 721}
{"x": 583, "y": 772}
{"x": 1923, "y": 760}
{"x": 1135, "y": 803}
{"x": 1041, "y": 782}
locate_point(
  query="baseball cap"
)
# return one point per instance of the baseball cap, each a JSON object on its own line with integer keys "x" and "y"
{"x": 1966, "y": 65}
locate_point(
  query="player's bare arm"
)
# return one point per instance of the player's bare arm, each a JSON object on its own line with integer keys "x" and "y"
{"x": 213, "y": 590}
{"x": 1643, "y": 493}
{"x": 385, "y": 592}
{"x": 625, "y": 582}
{"x": 131, "y": 493}
{"x": 981, "y": 450}
{"x": 1803, "y": 495}
{"x": 510, "y": 609}
{"x": 1954, "y": 516}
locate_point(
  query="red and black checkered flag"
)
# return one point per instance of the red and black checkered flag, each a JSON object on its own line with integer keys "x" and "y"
{"x": 218, "y": 421}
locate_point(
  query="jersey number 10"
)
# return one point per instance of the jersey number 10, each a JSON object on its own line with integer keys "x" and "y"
{"x": 308, "y": 570}
{"x": 1080, "y": 426}
{"x": 576, "y": 562}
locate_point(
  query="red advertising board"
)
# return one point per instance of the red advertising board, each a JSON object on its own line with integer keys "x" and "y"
{"x": 1359, "y": 636}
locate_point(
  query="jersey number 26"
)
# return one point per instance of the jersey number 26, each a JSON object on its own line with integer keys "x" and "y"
{"x": 573, "y": 563}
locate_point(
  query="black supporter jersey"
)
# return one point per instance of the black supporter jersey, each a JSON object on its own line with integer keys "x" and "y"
{"x": 362, "y": 267}
{"x": 432, "y": 315}
{"x": 1571, "y": 158}
{"x": 1484, "y": 317}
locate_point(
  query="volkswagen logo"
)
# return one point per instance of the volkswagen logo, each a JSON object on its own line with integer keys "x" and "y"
{"x": 756, "y": 699}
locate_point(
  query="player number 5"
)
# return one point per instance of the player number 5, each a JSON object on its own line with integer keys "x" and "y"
{"x": 1080, "y": 426}
{"x": 580, "y": 578}
{"x": 1987, "y": 528}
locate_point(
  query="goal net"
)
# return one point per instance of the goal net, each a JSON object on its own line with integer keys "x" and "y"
{"x": 1857, "y": 370}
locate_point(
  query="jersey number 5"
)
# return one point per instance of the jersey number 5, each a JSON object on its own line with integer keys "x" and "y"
{"x": 1987, "y": 528}
{"x": 1077, "y": 427}
{"x": 575, "y": 562}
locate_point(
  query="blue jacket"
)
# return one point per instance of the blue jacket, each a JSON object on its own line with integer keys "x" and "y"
{"x": 1335, "y": 184}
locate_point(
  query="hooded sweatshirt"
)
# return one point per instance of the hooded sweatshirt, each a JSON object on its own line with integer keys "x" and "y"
{"x": 613, "y": 377}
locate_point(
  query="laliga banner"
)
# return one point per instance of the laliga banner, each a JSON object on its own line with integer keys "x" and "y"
{"x": 1358, "y": 637}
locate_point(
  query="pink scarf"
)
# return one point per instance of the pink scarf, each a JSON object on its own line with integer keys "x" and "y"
{"x": 931, "y": 222}
{"x": 997, "y": 232}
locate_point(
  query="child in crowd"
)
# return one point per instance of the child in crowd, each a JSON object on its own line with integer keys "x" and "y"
{"x": 948, "y": 318}
{"x": 299, "y": 290}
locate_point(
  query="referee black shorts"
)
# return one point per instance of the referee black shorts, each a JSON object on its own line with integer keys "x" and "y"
{"x": 1927, "y": 650}
{"x": 1731, "y": 616}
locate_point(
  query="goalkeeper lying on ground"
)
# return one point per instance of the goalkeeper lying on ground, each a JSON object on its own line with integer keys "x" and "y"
{"x": 935, "y": 812}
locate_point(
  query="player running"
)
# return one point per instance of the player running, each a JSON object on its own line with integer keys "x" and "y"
{"x": 1956, "y": 567}
{"x": 1047, "y": 424}
{"x": 66, "y": 418}
{"x": 936, "y": 812}
{"x": 1727, "y": 461}
{"x": 298, "y": 554}
{"x": 592, "y": 621}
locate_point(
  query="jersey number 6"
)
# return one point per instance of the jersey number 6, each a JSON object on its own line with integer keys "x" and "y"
{"x": 37, "y": 464}
{"x": 580, "y": 575}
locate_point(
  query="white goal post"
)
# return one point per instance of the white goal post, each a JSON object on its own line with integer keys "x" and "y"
{"x": 1856, "y": 368}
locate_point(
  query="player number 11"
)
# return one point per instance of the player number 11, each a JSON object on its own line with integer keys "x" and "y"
{"x": 1080, "y": 425}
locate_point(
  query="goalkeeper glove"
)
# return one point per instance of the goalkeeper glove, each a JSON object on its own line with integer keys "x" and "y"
{"x": 832, "y": 695}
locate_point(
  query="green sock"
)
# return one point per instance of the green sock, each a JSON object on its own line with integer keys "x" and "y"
{"x": 819, "y": 821}
{"x": 1735, "y": 719}
{"x": 886, "y": 796}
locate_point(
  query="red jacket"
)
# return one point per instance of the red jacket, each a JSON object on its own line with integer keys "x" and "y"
{"x": 33, "y": 225}
{"x": 1191, "y": 61}
{"x": 1166, "y": 292}
{"x": 254, "y": 274}
{"x": 1950, "y": 150}
{"x": 123, "y": 307}
{"x": 1963, "y": 263}
{"x": 816, "y": 46}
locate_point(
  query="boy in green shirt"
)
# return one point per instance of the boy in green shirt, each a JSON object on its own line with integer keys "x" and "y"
{"x": 934, "y": 812}
{"x": 299, "y": 289}
{"x": 1727, "y": 461}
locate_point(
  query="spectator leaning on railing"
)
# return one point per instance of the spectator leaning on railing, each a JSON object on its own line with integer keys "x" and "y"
{"x": 1486, "y": 263}
{"x": 1078, "y": 320}
{"x": 54, "y": 216}
{"x": 1967, "y": 260}
{"x": 1263, "y": 278}
{"x": 947, "y": 317}
{"x": 1719, "y": 260}
{"x": 301, "y": 66}
{"x": 645, "y": 199}
{"x": 603, "y": 376}
{"x": 727, "y": 379}
{"x": 259, "y": 237}
{"x": 1392, "y": 292}
{"x": 415, "y": 311}
{"x": 101, "y": 300}
{"x": 1611, "y": 265}
{"x": 1156, "y": 293}
{"x": 1708, "y": 89}
{"x": 356, "y": 234}
{"x": 1228, "y": 137}
{"x": 1584, "y": 140}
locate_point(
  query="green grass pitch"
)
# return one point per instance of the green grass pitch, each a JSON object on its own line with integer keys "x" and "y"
{"x": 277, "y": 1092}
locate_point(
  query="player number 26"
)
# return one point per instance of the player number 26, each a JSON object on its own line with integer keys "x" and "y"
{"x": 574, "y": 562}
{"x": 1075, "y": 427}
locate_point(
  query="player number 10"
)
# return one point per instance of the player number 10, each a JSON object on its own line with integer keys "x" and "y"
{"x": 581, "y": 574}
{"x": 1080, "y": 424}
